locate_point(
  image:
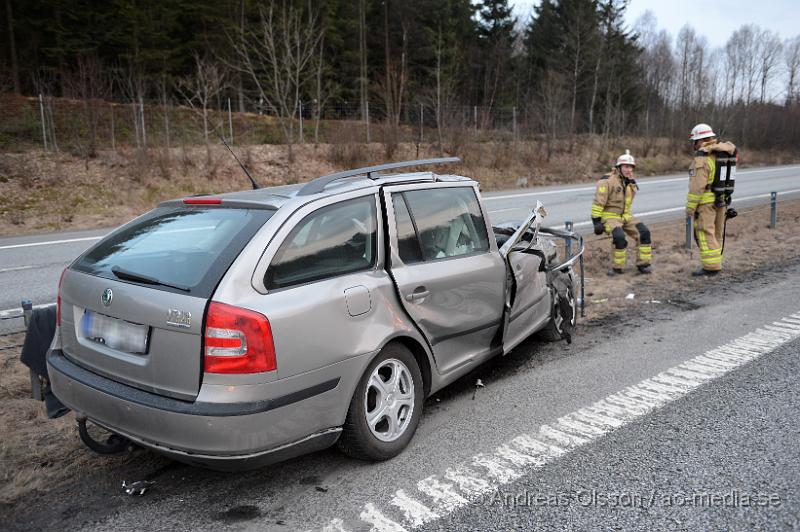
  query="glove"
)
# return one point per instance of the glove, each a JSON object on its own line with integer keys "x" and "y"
{"x": 598, "y": 226}
{"x": 731, "y": 213}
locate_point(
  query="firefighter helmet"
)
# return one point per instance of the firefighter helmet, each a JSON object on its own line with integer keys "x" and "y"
{"x": 701, "y": 131}
{"x": 626, "y": 158}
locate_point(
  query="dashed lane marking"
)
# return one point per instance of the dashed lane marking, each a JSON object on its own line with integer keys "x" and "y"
{"x": 445, "y": 492}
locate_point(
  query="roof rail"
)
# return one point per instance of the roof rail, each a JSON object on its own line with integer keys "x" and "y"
{"x": 319, "y": 184}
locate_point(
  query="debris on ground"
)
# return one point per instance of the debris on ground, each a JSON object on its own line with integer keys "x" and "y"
{"x": 478, "y": 384}
{"x": 630, "y": 296}
{"x": 137, "y": 488}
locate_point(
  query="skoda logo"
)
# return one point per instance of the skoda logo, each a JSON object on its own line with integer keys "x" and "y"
{"x": 108, "y": 296}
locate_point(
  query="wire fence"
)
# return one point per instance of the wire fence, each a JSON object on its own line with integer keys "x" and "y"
{"x": 84, "y": 126}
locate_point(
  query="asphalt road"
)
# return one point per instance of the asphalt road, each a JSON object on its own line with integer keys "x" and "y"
{"x": 700, "y": 396}
{"x": 721, "y": 458}
{"x": 30, "y": 266}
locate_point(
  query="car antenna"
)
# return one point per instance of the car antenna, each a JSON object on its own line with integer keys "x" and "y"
{"x": 256, "y": 186}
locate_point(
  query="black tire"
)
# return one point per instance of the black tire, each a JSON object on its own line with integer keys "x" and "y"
{"x": 358, "y": 440}
{"x": 563, "y": 317}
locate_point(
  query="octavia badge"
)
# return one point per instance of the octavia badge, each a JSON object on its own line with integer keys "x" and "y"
{"x": 108, "y": 296}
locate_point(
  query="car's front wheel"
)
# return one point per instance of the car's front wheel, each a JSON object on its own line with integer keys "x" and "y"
{"x": 385, "y": 408}
{"x": 563, "y": 315}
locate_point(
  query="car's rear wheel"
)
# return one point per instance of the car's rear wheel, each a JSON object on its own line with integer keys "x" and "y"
{"x": 385, "y": 408}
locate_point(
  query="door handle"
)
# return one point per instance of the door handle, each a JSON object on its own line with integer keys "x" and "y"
{"x": 418, "y": 294}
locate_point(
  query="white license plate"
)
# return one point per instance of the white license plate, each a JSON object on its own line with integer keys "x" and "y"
{"x": 114, "y": 333}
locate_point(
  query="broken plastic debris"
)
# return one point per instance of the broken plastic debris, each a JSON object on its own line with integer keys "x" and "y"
{"x": 630, "y": 296}
{"x": 599, "y": 301}
{"x": 653, "y": 301}
{"x": 137, "y": 488}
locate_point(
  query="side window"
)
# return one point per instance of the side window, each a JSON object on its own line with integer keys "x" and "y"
{"x": 407, "y": 240}
{"x": 449, "y": 222}
{"x": 332, "y": 241}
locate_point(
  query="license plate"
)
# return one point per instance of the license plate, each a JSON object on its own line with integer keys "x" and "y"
{"x": 114, "y": 333}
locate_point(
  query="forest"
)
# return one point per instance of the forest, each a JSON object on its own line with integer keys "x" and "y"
{"x": 567, "y": 68}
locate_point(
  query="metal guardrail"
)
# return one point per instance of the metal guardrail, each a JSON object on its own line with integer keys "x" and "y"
{"x": 773, "y": 220}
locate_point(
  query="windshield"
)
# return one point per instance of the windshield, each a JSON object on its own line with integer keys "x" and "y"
{"x": 182, "y": 248}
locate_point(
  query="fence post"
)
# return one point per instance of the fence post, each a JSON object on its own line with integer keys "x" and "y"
{"x": 773, "y": 210}
{"x": 301, "y": 121}
{"x": 689, "y": 229}
{"x": 514, "y": 121}
{"x": 568, "y": 242}
{"x": 421, "y": 131}
{"x": 44, "y": 127}
{"x": 230, "y": 121}
{"x": 366, "y": 118}
{"x": 475, "y": 116}
{"x": 144, "y": 131}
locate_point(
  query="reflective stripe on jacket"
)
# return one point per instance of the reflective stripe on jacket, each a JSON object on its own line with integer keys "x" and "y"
{"x": 613, "y": 198}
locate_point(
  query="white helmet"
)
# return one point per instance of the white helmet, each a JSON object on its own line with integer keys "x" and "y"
{"x": 701, "y": 131}
{"x": 626, "y": 158}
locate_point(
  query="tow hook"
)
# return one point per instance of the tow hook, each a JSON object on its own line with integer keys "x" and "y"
{"x": 112, "y": 445}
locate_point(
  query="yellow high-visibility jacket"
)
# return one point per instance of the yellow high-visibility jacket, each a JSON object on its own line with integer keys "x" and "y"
{"x": 614, "y": 196}
{"x": 701, "y": 173}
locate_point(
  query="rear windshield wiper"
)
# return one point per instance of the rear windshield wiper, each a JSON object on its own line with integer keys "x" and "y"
{"x": 139, "y": 278}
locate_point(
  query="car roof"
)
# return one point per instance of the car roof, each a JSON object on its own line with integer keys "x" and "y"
{"x": 329, "y": 185}
{"x": 278, "y": 196}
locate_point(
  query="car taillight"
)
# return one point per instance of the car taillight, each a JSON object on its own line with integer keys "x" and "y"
{"x": 58, "y": 299}
{"x": 237, "y": 340}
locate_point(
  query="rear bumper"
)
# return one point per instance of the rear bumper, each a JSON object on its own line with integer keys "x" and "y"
{"x": 278, "y": 420}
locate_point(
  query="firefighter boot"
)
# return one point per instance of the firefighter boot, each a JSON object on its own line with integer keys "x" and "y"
{"x": 700, "y": 272}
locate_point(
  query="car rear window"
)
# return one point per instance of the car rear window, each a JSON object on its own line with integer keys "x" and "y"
{"x": 190, "y": 247}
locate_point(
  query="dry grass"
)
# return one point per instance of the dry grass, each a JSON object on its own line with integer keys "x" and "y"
{"x": 37, "y": 453}
{"x": 750, "y": 244}
{"x": 50, "y": 192}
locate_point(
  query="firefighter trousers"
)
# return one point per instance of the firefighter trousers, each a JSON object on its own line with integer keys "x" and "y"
{"x": 618, "y": 228}
{"x": 709, "y": 222}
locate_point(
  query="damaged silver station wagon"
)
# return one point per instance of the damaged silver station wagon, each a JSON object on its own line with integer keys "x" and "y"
{"x": 237, "y": 330}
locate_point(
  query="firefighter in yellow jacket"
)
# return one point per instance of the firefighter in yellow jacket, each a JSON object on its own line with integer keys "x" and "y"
{"x": 611, "y": 214}
{"x": 710, "y": 189}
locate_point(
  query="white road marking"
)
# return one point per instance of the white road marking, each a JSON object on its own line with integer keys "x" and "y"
{"x": 463, "y": 484}
{"x": 641, "y": 184}
{"x": 415, "y": 512}
{"x": 379, "y": 522}
{"x": 51, "y": 242}
{"x": 17, "y": 269}
{"x": 659, "y": 211}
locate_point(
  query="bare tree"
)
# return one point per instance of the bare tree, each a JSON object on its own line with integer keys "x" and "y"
{"x": 279, "y": 56}
{"x": 133, "y": 82}
{"x": 658, "y": 70}
{"x": 791, "y": 59}
{"x": 769, "y": 53}
{"x": 394, "y": 81}
{"x": 554, "y": 94}
{"x": 362, "y": 60}
{"x": 200, "y": 89}
{"x": 87, "y": 84}
{"x": 12, "y": 48}
{"x": 691, "y": 59}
